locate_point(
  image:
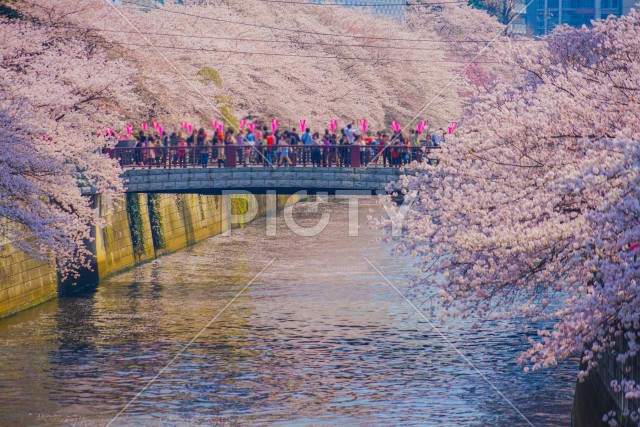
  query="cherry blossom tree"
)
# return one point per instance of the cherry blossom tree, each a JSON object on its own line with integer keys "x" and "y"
{"x": 69, "y": 67}
{"x": 532, "y": 212}
{"x": 299, "y": 61}
{"x": 56, "y": 90}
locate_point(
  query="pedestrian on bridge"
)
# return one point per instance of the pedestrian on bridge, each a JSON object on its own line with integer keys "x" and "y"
{"x": 182, "y": 153}
{"x": 283, "y": 152}
{"x": 306, "y": 140}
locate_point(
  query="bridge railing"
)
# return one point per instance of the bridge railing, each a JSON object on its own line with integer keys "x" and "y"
{"x": 277, "y": 155}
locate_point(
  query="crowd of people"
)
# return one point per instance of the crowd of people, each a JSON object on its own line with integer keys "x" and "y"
{"x": 276, "y": 148}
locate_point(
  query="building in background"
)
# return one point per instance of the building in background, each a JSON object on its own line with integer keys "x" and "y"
{"x": 542, "y": 16}
{"x": 518, "y": 21}
{"x": 391, "y": 8}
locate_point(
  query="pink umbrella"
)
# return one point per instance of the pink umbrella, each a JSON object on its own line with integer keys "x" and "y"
{"x": 214, "y": 124}
{"x": 143, "y": 125}
{"x": 183, "y": 124}
{"x": 303, "y": 125}
{"x": 363, "y": 125}
{"x": 243, "y": 124}
{"x": 155, "y": 125}
{"x": 252, "y": 127}
{"x": 333, "y": 124}
{"x": 129, "y": 129}
{"x": 190, "y": 128}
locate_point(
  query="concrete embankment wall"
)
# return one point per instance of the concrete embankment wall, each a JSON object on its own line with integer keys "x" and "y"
{"x": 24, "y": 281}
{"x": 138, "y": 228}
{"x": 595, "y": 397}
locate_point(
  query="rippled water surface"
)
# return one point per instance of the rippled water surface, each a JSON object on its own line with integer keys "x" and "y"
{"x": 319, "y": 338}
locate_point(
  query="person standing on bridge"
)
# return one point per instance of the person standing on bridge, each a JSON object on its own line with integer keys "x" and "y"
{"x": 294, "y": 141}
{"x": 151, "y": 152}
{"x": 333, "y": 150}
{"x": 203, "y": 152}
{"x": 351, "y": 134}
{"x": 306, "y": 140}
{"x": 138, "y": 155}
{"x": 345, "y": 158}
{"x": 316, "y": 150}
{"x": 205, "y": 149}
{"x": 284, "y": 152}
{"x": 415, "y": 145}
{"x": 250, "y": 139}
{"x": 270, "y": 142}
{"x": 220, "y": 150}
{"x": 326, "y": 150}
{"x": 229, "y": 143}
{"x": 241, "y": 150}
{"x": 259, "y": 146}
{"x": 173, "y": 143}
{"x": 182, "y": 153}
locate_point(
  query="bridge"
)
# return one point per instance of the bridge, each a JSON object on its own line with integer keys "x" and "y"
{"x": 259, "y": 180}
{"x": 342, "y": 170}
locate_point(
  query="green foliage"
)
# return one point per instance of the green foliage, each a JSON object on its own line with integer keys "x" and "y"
{"x": 239, "y": 207}
{"x": 228, "y": 117}
{"x": 225, "y": 103}
{"x": 210, "y": 75}
{"x": 201, "y": 205}
{"x": 180, "y": 206}
{"x": 155, "y": 219}
{"x": 135, "y": 223}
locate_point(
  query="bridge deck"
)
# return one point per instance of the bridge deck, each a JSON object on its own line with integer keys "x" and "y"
{"x": 260, "y": 179}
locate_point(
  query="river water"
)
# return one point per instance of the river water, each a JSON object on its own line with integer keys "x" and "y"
{"x": 318, "y": 339}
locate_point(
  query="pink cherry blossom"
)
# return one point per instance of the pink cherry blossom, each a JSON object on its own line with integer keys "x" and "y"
{"x": 532, "y": 212}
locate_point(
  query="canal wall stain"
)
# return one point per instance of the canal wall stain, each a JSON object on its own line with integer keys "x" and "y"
{"x": 137, "y": 228}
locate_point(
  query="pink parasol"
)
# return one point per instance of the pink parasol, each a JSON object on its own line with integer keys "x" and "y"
{"x": 363, "y": 125}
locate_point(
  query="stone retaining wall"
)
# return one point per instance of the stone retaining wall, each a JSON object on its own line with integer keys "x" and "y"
{"x": 182, "y": 220}
{"x": 24, "y": 281}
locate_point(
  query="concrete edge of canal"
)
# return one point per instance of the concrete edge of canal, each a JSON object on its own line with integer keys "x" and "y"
{"x": 138, "y": 228}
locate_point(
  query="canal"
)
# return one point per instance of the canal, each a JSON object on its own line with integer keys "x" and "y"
{"x": 319, "y": 338}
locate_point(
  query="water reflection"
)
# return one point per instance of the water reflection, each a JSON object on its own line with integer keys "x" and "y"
{"x": 318, "y": 339}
